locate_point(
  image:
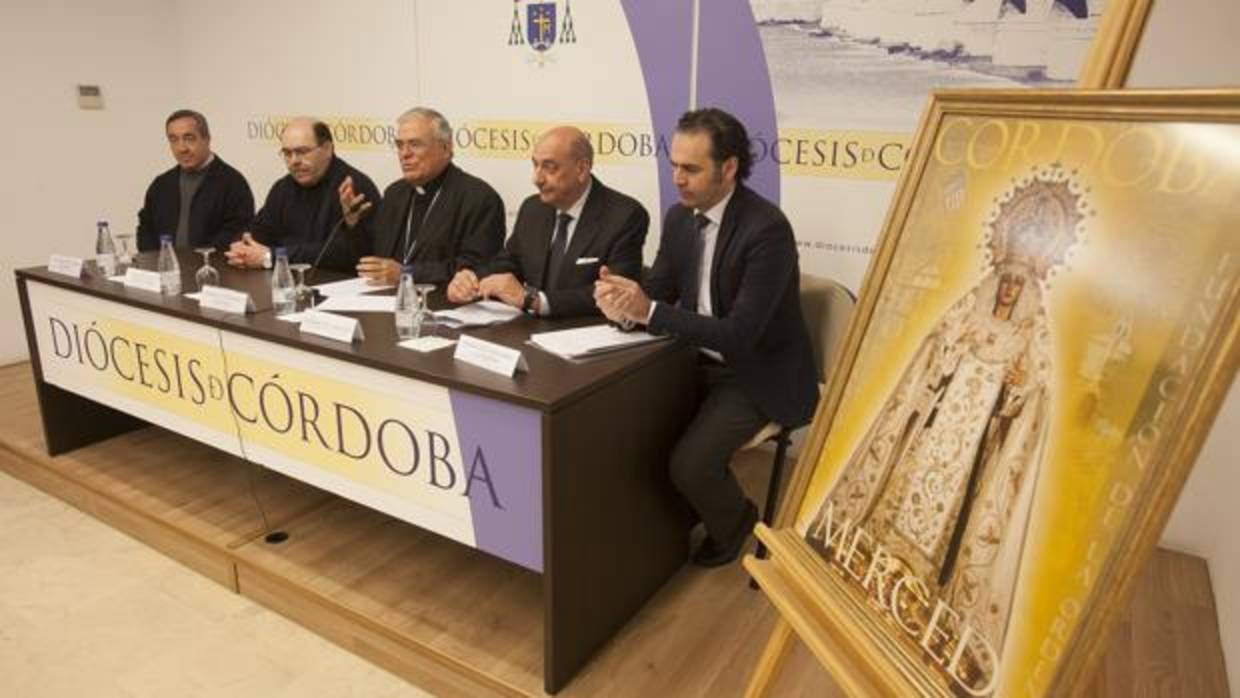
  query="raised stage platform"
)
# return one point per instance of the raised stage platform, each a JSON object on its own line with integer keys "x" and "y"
{"x": 458, "y": 622}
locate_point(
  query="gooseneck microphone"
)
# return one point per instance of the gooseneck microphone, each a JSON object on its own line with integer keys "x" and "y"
{"x": 330, "y": 237}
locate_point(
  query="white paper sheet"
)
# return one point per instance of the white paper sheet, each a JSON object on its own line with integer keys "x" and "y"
{"x": 427, "y": 344}
{"x": 478, "y": 314}
{"x": 359, "y": 304}
{"x": 581, "y": 342}
{"x": 349, "y": 287}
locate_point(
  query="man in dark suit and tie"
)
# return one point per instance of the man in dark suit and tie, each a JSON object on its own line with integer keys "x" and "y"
{"x": 725, "y": 279}
{"x": 436, "y": 217}
{"x": 564, "y": 234}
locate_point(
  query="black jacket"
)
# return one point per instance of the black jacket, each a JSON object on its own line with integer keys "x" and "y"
{"x": 755, "y": 293}
{"x": 463, "y": 228}
{"x": 221, "y": 208}
{"x": 301, "y": 218}
{"x": 611, "y": 232}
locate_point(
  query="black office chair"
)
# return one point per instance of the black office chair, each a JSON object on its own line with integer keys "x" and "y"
{"x": 826, "y": 306}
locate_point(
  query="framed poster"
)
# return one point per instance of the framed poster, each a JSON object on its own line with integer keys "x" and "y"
{"x": 1042, "y": 342}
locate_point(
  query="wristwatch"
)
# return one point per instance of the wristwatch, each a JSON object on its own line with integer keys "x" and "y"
{"x": 530, "y": 298}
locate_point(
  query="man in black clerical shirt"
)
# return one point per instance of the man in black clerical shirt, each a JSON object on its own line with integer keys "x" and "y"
{"x": 202, "y": 201}
{"x": 302, "y": 208}
{"x": 436, "y": 218}
{"x": 564, "y": 234}
{"x": 726, "y": 280}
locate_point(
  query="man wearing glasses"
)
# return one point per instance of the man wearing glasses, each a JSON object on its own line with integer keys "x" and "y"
{"x": 436, "y": 217}
{"x": 302, "y": 209}
{"x": 203, "y": 200}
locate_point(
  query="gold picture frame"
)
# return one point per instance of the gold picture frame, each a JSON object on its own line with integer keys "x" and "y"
{"x": 1070, "y": 409}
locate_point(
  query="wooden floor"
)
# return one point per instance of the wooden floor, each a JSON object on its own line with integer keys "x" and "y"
{"x": 455, "y": 621}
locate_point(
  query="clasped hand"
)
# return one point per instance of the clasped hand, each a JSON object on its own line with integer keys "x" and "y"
{"x": 466, "y": 287}
{"x": 246, "y": 252}
{"x": 621, "y": 300}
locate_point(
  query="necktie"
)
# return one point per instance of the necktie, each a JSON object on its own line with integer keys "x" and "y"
{"x": 690, "y": 299}
{"x": 555, "y": 255}
{"x": 417, "y": 212}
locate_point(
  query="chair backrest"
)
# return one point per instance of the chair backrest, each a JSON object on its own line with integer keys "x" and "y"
{"x": 826, "y": 306}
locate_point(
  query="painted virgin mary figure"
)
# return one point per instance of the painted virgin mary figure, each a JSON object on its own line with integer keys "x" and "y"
{"x": 945, "y": 475}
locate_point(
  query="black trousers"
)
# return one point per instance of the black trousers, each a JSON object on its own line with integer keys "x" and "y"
{"x": 700, "y": 464}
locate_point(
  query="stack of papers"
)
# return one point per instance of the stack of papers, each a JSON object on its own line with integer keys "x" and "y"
{"x": 478, "y": 314}
{"x": 582, "y": 342}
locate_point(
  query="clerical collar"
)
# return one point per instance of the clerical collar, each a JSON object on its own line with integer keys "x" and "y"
{"x": 575, "y": 210}
{"x": 432, "y": 187}
{"x": 715, "y": 213}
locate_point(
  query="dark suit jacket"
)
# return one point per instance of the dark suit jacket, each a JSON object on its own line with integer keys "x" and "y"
{"x": 464, "y": 227}
{"x": 755, "y": 293}
{"x": 612, "y": 230}
{"x": 221, "y": 208}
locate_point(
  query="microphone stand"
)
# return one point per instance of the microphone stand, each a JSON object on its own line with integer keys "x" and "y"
{"x": 331, "y": 236}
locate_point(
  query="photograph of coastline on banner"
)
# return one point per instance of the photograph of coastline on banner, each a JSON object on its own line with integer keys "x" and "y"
{"x": 1045, "y": 337}
{"x": 851, "y": 77}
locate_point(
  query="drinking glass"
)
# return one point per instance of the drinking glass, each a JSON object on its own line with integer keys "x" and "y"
{"x": 206, "y": 274}
{"x": 124, "y": 257}
{"x": 424, "y": 320}
{"x": 302, "y": 292}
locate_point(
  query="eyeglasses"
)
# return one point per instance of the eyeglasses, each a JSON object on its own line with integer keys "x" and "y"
{"x": 303, "y": 151}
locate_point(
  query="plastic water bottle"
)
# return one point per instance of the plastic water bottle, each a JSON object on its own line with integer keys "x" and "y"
{"x": 105, "y": 249}
{"x": 283, "y": 291}
{"x": 169, "y": 268}
{"x": 406, "y": 306}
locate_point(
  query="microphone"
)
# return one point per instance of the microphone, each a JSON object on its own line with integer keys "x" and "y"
{"x": 330, "y": 237}
{"x": 328, "y": 243}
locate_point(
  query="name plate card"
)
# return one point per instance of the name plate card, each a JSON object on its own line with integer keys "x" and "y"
{"x": 64, "y": 264}
{"x": 143, "y": 279}
{"x": 225, "y": 300}
{"x": 332, "y": 326}
{"x": 496, "y": 358}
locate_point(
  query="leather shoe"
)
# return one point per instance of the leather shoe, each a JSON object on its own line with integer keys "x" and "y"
{"x": 715, "y": 554}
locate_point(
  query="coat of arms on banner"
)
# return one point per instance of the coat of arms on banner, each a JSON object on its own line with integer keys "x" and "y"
{"x": 544, "y": 27}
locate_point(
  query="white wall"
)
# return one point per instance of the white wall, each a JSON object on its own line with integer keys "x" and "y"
{"x": 63, "y": 168}
{"x": 246, "y": 60}
{"x": 1192, "y": 43}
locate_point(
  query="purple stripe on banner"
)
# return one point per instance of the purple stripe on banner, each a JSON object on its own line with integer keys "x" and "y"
{"x": 733, "y": 76}
{"x": 663, "y": 34}
{"x": 501, "y": 449}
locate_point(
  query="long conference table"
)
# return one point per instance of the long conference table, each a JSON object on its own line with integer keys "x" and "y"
{"x": 560, "y": 469}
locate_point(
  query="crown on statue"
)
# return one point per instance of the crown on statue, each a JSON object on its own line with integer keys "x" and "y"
{"x": 1037, "y": 220}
